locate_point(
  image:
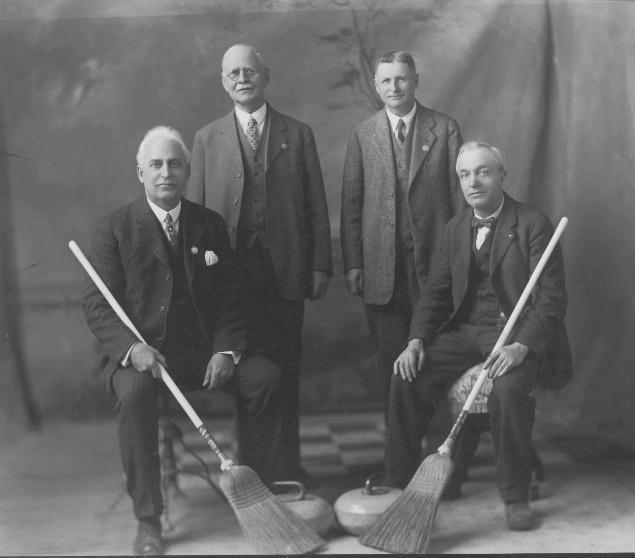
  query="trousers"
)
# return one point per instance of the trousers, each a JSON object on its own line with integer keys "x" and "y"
{"x": 511, "y": 407}
{"x": 253, "y": 384}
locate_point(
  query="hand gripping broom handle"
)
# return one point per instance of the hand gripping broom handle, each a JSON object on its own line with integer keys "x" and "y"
{"x": 226, "y": 463}
{"x": 446, "y": 447}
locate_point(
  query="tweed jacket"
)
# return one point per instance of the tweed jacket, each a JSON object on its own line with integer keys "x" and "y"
{"x": 368, "y": 219}
{"x": 520, "y": 237}
{"x": 131, "y": 256}
{"x": 296, "y": 213}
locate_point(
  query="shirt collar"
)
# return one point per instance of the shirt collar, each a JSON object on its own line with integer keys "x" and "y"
{"x": 243, "y": 116}
{"x": 495, "y": 214}
{"x": 175, "y": 212}
{"x": 407, "y": 119}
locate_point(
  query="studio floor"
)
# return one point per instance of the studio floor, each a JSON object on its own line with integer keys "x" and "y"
{"x": 62, "y": 493}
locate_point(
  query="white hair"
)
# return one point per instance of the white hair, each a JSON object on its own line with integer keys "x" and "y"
{"x": 472, "y": 144}
{"x": 167, "y": 132}
{"x": 248, "y": 47}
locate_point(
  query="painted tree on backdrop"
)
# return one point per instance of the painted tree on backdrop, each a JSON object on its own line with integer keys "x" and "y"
{"x": 364, "y": 39}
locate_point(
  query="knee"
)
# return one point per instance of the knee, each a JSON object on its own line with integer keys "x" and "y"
{"x": 135, "y": 391}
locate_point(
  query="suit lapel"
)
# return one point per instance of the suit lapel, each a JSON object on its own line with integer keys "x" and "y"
{"x": 422, "y": 141}
{"x": 150, "y": 230}
{"x": 504, "y": 233}
{"x": 189, "y": 233}
{"x": 278, "y": 139}
{"x": 382, "y": 146}
{"x": 228, "y": 138}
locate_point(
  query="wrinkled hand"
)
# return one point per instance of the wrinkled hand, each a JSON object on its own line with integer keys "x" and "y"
{"x": 147, "y": 359}
{"x": 220, "y": 369}
{"x": 319, "y": 284}
{"x": 410, "y": 361}
{"x": 505, "y": 359}
{"x": 355, "y": 281}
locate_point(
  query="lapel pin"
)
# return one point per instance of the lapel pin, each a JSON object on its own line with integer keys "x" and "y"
{"x": 283, "y": 145}
{"x": 194, "y": 250}
{"x": 425, "y": 147}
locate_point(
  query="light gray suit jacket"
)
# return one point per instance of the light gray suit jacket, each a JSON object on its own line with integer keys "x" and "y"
{"x": 296, "y": 214}
{"x": 369, "y": 213}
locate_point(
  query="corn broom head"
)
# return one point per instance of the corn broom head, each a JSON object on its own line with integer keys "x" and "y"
{"x": 405, "y": 527}
{"x": 268, "y": 525}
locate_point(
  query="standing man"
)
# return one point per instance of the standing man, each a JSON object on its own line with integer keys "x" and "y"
{"x": 168, "y": 263}
{"x": 399, "y": 190}
{"x": 260, "y": 170}
{"x": 478, "y": 273}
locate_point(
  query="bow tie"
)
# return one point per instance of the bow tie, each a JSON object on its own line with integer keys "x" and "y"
{"x": 476, "y": 222}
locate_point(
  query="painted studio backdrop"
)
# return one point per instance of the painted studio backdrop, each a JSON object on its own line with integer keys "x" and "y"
{"x": 549, "y": 82}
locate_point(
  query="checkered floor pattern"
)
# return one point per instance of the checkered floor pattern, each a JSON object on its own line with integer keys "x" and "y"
{"x": 330, "y": 444}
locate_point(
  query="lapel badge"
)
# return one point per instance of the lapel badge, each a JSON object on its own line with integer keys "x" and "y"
{"x": 194, "y": 250}
{"x": 425, "y": 147}
{"x": 284, "y": 145}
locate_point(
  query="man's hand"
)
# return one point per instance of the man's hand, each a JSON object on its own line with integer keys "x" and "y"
{"x": 355, "y": 281}
{"x": 410, "y": 361}
{"x": 319, "y": 284}
{"x": 147, "y": 359}
{"x": 506, "y": 358}
{"x": 220, "y": 370}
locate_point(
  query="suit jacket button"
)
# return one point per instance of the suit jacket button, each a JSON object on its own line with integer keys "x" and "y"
{"x": 233, "y": 229}
{"x": 239, "y": 175}
{"x": 162, "y": 308}
{"x": 235, "y": 201}
{"x": 167, "y": 277}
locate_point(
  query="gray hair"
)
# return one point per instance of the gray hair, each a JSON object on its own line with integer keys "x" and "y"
{"x": 473, "y": 144}
{"x": 248, "y": 47}
{"x": 396, "y": 56}
{"x": 167, "y": 132}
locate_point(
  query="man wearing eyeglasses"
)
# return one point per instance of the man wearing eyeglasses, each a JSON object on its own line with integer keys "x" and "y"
{"x": 260, "y": 170}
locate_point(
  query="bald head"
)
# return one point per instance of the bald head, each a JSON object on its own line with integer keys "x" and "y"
{"x": 244, "y": 77}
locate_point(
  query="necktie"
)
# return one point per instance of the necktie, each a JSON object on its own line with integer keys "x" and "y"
{"x": 483, "y": 227}
{"x": 401, "y": 131}
{"x": 252, "y": 133}
{"x": 476, "y": 222}
{"x": 169, "y": 228}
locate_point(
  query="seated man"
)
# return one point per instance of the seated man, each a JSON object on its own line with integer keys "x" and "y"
{"x": 478, "y": 273}
{"x": 168, "y": 263}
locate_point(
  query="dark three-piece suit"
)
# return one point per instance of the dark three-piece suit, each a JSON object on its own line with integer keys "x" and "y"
{"x": 274, "y": 203}
{"x": 188, "y": 310}
{"x": 461, "y": 312}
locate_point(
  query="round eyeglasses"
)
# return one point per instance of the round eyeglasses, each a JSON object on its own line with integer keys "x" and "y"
{"x": 249, "y": 73}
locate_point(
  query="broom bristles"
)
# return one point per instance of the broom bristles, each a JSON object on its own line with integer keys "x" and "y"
{"x": 268, "y": 525}
{"x": 405, "y": 527}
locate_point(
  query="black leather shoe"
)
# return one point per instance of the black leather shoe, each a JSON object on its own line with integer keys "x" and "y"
{"x": 519, "y": 516}
{"x": 148, "y": 541}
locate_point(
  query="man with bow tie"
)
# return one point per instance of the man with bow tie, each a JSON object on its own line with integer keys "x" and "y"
{"x": 479, "y": 270}
{"x": 398, "y": 191}
{"x": 168, "y": 263}
{"x": 260, "y": 170}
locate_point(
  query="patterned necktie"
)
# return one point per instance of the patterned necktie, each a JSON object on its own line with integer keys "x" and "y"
{"x": 476, "y": 222}
{"x": 252, "y": 133}
{"x": 401, "y": 129}
{"x": 169, "y": 228}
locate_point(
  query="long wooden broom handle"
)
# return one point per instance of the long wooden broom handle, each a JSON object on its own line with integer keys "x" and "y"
{"x": 226, "y": 463}
{"x": 504, "y": 336}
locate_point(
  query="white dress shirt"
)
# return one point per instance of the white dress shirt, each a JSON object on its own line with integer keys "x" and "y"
{"x": 244, "y": 117}
{"x": 482, "y": 232}
{"x": 407, "y": 120}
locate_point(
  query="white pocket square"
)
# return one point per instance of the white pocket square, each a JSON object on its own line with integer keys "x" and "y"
{"x": 210, "y": 258}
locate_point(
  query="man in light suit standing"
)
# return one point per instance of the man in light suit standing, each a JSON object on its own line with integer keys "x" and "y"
{"x": 260, "y": 170}
{"x": 168, "y": 263}
{"x": 399, "y": 189}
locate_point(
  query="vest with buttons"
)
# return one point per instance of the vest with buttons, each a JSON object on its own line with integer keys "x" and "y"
{"x": 480, "y": 305}
{"x": 251, "y": 222}
{"x": 402, "y": 155}
{"x": 182, "y": 329}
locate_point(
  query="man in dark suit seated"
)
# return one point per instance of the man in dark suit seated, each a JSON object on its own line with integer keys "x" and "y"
{"x": 478, "y": 273}
{"x": 168, "y": 263}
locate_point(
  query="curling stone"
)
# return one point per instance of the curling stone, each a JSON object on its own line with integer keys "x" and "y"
{"x": 356, "y": 510}
{"x": 316, "y": 512}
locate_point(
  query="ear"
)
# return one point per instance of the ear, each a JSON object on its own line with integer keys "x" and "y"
{"x": 140, "y": 174}
{"x": 265, "y": 73}
{"x": 416, "y": 81}
{"x": 188, "y": 168}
